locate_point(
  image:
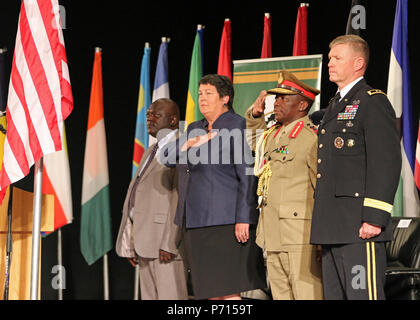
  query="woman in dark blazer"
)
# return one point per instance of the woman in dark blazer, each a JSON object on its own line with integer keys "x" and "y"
{"x": 217, "y": 199}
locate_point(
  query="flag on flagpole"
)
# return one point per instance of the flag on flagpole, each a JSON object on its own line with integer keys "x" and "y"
{"x": 95, "y": 229}
{"x": 200, "y": 31}
{"x": 266, "y": 46}
{"x": 196, "y": 72}
{"x": 225, "y": 64}
{"x": 141, "y": 139}
{"x": 40, "y": 96}
{"x": 417, "y": 164}
{"x": 57, "y": 182}
{"x": 3, "y": 100}
{"x": 406, "y": 201}
{"x": 350, "y": 28}
{"x": 161, "y": 86}
{"x": 300, "y": 45}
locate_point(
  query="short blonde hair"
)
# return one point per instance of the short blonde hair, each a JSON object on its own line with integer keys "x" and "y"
{"x": 357, "y": 43}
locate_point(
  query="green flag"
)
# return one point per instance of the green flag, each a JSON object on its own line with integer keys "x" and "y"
{"x": 192, "y": 112}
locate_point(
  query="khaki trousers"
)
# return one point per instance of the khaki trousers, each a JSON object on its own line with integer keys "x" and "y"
{"x": 162, "y": 281}
{"x": 294, "y": 275}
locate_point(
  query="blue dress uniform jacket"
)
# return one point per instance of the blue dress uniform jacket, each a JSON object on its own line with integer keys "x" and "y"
{"x": 359, "y": 167}
{"x": 216, "y": 181}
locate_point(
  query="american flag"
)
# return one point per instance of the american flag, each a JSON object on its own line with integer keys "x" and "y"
{"x": 40, "y": 96}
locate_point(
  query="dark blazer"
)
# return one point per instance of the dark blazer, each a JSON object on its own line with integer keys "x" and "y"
{"x": 358, "y": 168}
{"x": 216, "y": 181}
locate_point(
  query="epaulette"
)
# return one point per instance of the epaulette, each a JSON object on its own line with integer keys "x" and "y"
{"x": 296, "y": 129}
{"x": 312, "y": 127}
{"x": 273, "y": 127}
{"x": 375, "y": 91}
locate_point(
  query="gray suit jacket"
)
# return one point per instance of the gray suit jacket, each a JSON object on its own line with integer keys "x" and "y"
{"x": 152, "y": 227}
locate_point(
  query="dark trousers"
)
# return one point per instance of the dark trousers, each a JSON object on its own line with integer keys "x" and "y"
{"x": 354, "y": 271}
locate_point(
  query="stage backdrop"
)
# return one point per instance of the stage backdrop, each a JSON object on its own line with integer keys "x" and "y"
{"x": 252, "y": 76}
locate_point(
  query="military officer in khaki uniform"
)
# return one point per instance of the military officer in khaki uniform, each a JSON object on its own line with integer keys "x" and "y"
{"x": 286, "y": 164}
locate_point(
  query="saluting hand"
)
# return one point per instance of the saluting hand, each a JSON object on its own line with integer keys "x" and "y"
{"x": 259, "y": 105}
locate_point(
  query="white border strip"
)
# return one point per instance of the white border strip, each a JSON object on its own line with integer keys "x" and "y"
{"x": 312, "y": 56}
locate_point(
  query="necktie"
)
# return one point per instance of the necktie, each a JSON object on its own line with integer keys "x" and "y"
{"x": 132, "y": 199}
{"x": 334, "y": 101}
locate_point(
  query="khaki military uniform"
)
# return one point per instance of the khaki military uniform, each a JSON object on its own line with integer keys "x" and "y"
{"x": 287, "y": 203}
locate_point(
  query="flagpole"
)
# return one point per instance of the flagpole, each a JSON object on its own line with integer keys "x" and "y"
{"x": 60, "y": 263}
{"x": 106, "y": 277}
{"x": 36, "y": 228}
{"x": 136, "y": 282}
{"x": 137, "y": 270}
{"x": 9, "y": 242}
{"x": 105, "y": 257}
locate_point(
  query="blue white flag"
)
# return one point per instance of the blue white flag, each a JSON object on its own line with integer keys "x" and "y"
{"x": 406, "y": 201}
{"x": 161, "y": 87}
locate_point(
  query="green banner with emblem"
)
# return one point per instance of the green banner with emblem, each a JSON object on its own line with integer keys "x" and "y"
{"x": 252, "y": 76}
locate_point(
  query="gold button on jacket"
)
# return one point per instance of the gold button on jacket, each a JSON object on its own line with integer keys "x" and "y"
{"x": 286, "y": 219}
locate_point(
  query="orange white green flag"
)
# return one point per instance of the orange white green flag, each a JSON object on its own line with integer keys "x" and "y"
{"x": 95, "y": 230}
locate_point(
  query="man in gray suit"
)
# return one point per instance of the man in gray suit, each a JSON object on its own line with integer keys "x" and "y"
{"x": 147, "y": 234}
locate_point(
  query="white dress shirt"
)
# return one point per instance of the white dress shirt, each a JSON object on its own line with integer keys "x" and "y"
{"x": 348, "y": 87}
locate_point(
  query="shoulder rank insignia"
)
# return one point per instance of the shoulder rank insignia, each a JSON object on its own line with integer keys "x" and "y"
{"x": 296, "y": 129}
{"x": 375, "y": 91}
{"x": 269, "y": 130}
{"x": 280, "y": 126}
{"x": 349, "y": 113}
{"x": 312, "y": 126}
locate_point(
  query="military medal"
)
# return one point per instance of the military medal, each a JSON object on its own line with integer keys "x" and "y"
{"x": 282, "y": 150}
{"x": 350, "y": 143}
{"x": 338, "y": 142}
{"x": 349, "y": 124}
{"x": 349, "y": 113}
